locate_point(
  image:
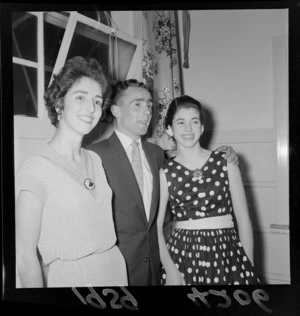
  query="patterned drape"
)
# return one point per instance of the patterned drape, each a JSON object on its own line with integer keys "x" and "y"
{"x": 160, "y": 68}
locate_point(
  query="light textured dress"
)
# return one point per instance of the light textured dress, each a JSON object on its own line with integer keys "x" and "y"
{"x": 77, "y": 238}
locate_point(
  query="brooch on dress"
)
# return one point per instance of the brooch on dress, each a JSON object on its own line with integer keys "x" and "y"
{"x": 198, "y": 174}
{"x": 89, "y": 184}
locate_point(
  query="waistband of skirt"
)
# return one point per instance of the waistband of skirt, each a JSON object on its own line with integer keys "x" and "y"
{"x": 216, "y": 222}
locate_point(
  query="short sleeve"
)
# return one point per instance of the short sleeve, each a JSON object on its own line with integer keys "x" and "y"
{"x": 27, "y": 182}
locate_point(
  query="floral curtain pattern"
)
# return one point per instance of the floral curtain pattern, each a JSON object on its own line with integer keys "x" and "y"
{"x": 160, "y": 69}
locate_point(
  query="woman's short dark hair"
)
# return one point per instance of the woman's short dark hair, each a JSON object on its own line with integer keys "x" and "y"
{"x": 74, "y": 69}
{"x": 186, "y": 102}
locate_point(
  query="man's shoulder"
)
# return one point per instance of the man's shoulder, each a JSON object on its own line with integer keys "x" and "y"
{"x": 156, "y": 151}
{"x": 99, "y": 146}
{"x": 153, "y": 147}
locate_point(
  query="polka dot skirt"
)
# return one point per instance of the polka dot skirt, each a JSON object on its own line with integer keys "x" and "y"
{"x": 205, "y": 256}
{"x": 210, "y": 257}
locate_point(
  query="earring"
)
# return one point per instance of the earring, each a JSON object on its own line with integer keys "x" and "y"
{"x": 59, "y": 114}
{"x": 169, "y": 131}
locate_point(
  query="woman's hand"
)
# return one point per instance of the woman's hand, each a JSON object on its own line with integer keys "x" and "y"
{"x": 174, "y": 277}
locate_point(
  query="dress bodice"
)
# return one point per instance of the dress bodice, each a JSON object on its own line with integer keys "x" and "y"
{"x": 75, "y": 222}
{"x": 193, "y": 198}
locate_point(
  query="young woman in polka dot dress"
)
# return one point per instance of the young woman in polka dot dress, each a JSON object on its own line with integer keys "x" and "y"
{"x": 212, "y": 239}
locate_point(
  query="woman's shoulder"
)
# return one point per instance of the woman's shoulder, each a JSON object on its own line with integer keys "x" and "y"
{"x": 35, "y": 162}
{"x": 154, "y": 148}
{"x": 169, "y": 164}
{"x": 218, "y": 159}
{"x": 218, "y": 154}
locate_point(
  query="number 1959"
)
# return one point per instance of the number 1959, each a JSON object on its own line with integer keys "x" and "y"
{"x": 98, "y": 302}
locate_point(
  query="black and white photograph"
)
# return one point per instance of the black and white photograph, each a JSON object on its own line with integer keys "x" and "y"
{"x": 150, "y": 157}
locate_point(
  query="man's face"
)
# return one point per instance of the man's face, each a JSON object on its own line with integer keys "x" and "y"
{"x": 134, "y": 112}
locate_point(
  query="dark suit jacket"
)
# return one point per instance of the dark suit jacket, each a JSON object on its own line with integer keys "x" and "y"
{"x": 137, "y": 238}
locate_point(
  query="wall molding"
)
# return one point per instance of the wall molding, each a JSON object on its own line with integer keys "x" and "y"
{"x": 259, "y": 184}
{"x": 283, "y": 229}
{"x": 276, "y": 278}
{"x": 243, "y": 136}
{"x": 281, "y": 121}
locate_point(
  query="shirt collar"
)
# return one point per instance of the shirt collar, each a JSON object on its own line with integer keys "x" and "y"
{"x": 126, "y": 140}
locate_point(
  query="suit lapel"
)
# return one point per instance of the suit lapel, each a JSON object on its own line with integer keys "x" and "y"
{"x": 155, "y": 189}
{"x": 127, "y": 177}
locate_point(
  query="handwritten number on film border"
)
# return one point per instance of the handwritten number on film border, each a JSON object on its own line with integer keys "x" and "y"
{"x": 95, "y": 300}
{"x": 241, "y": 297}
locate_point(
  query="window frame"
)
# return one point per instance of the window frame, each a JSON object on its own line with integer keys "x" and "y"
{"x": 72, "y": 21}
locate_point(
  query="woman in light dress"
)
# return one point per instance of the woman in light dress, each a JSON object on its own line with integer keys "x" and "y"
{"x": 65, "y": 235}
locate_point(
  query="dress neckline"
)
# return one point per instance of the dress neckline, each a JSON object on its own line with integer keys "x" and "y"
{"x": 191, "y": 170}
{"x": 89, "y": 167}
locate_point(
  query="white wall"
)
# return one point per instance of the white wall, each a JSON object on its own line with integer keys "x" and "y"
{"x": 231, "y": 64}
{"x": 128, "y": 22}
{"x": 238, "y": 71}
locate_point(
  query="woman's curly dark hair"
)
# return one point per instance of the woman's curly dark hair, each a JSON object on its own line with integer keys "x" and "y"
{"x": 186, "y": 102}
{"x": 74, "y": 69}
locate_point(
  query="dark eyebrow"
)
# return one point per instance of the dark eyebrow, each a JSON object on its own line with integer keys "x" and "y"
{"x": 85, "y": 92}
{"x": 182, "y": 119}
{"x": 79, "y": 91}
{"x": 141, "y": 99}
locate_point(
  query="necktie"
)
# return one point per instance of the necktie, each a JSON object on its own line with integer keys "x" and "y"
{"x": 137, "y": 164}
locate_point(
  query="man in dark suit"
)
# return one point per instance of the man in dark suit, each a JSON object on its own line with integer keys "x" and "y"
{"x": 133, "y": 175}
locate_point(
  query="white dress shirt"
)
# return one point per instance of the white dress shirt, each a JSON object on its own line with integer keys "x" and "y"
{"x": 147, "y": 175}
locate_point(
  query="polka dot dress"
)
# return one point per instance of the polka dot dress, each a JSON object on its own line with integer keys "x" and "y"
{"x": 207, "y": 256}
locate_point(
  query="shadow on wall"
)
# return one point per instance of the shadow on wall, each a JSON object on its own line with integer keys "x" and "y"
{"x": 209, "y": 125}
{"x": 252, "y": 206}
{"x": 244, "y": 166}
